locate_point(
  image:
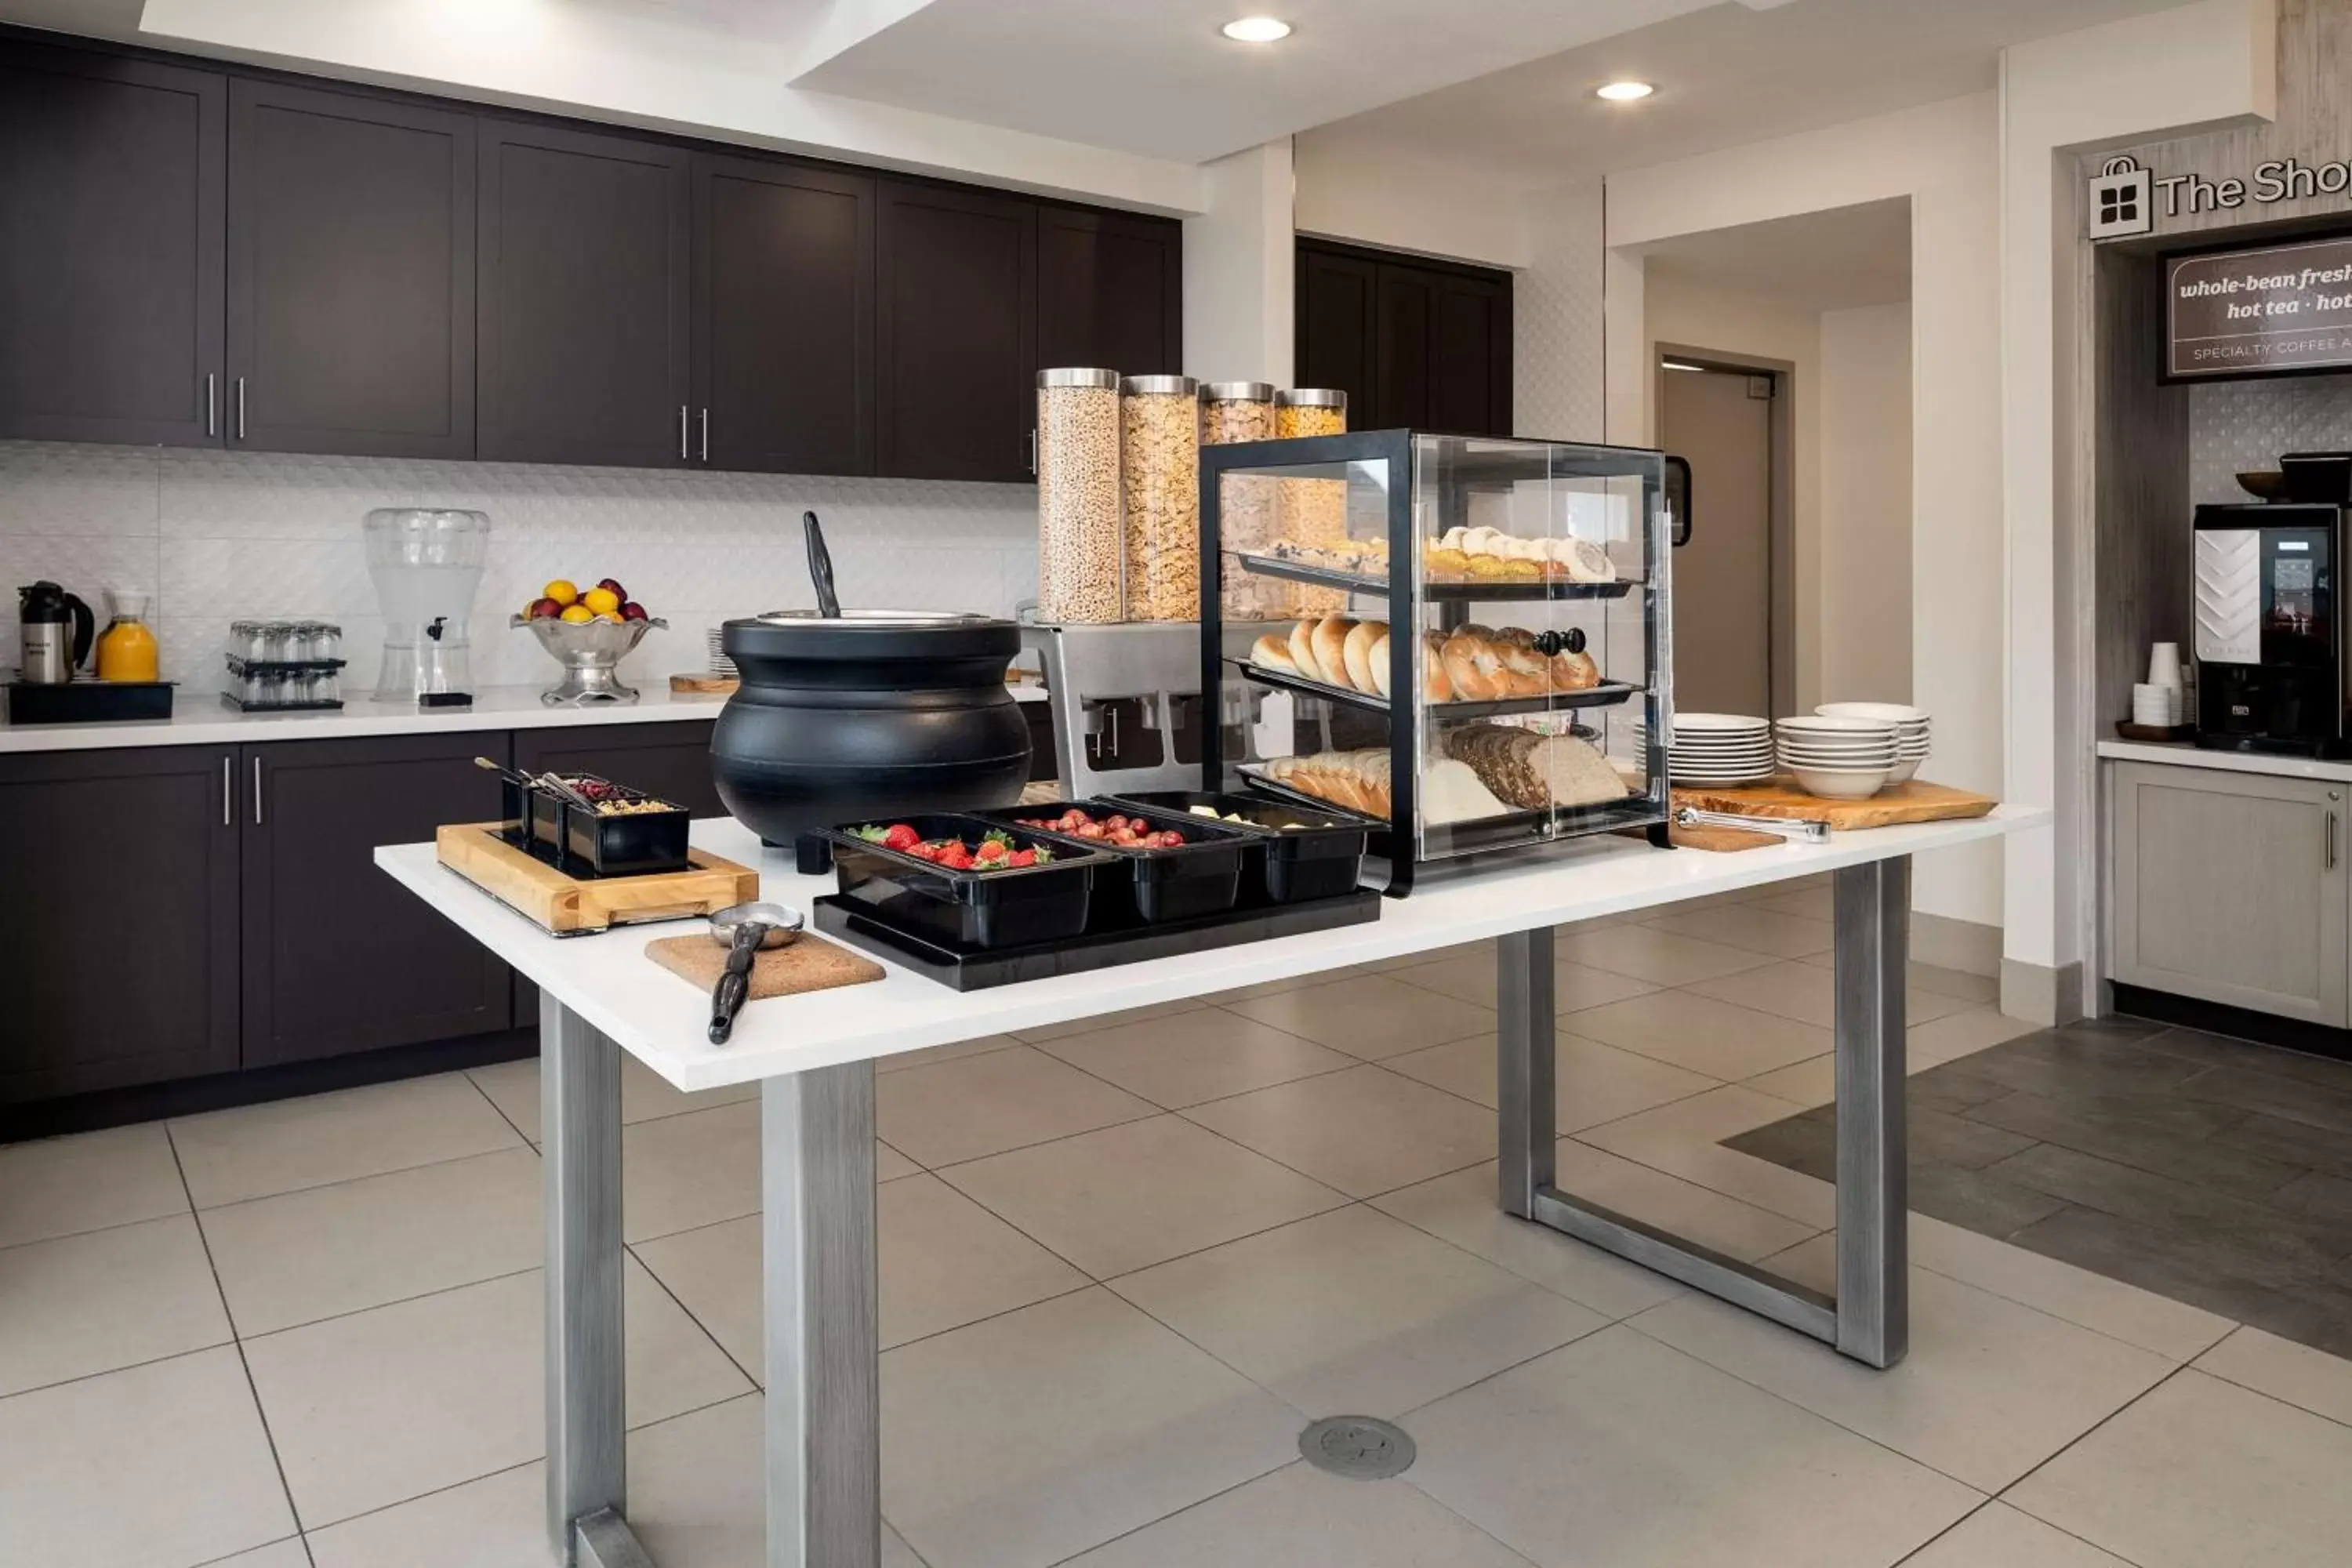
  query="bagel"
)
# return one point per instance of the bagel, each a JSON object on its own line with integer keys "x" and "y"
{"x": 1302, "y": 650}
{"x": 1474, "y": 666}
{"x": 1379, "y": 660}
{"x": 1527, "y": 672}
{"x": 1574, "y": 671}
{"x": 1436, "y": 686}
{"x": 1330, "y": 641}
{"x": 1356, "y": 654}
{"x": 1271, "y": 652}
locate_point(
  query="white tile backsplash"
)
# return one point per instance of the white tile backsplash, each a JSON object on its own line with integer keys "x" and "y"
{"x": 219, "y": 536}
{"x": 2236, "y": 426}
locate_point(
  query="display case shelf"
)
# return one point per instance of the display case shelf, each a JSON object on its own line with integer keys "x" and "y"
{"x": 1501, "y": 831}
{"x": 1608, "y": 694}
{"x": 1452, "y": 592}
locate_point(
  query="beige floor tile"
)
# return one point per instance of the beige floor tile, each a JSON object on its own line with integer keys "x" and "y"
{"x": 2202, "y": 1472}
{"x": 1703, "y": 1035}
{"x": 286, "y": 1553}
{"x": 1686, "y": 1139}
{"x": 698, "y": 1493}
{"x": 1809, "y": 995}
{"x": 81, "y": 1304}
{"x": 513, "y": 1088}
{"x": 2173, "y": 1329}
{"x": 1811, "y": 1082}
{"x": 1146, "y": 1015}
{"x": 498, "y": 1521}
{"x": 1660, "y": 957}
{"x": 1773, "y": 932}
{"x": 1355, "y": 1312}
{"x": 1461, "y": 1209}
{"x": 61, "y": 1186}
{"x": 1205, "y": 1053}
{"x": 1617, "y": 1450}
{"x": 1470, "y": 977}
{"x": 1962, "y": 1034}
{"x": 1129, "y": 1196}
{"x": 715, "y": 1274}
{"x": 1299, "y": 1516}
{"x": 1035, "y": 1435}
{"x": 1364, "y": 1130}
{"x": 389, "y": 1404}
{"x": 1370, "y": 1016}
{"x": 1977, "y": 990}
{"x": 166, "y": 1463}
{"x": 322, "y": 1251}
{"x": 2319, "y": 1383}
{"x": 1591, "y": 1083}
{"x": 986, "y": 1104}
{"x": 255, "y": 1150}
{"x": 1673, "y": 1204}
{"x": 1814, "y": 903}
{"x": 681, "y": 1172}
{"x": 1998, "y": 1536}
{"x": 1990, "y": 1389}
{"x": 900, "y": 1061}
{"x": 1291, "y": 983}
{"x": 889, "y": 1165}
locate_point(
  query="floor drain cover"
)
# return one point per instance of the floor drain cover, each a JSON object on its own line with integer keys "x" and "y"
{"x": 1357, "y": 1446}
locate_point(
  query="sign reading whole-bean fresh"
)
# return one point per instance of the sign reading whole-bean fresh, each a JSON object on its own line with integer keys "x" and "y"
{"x": 2280, "y": 309}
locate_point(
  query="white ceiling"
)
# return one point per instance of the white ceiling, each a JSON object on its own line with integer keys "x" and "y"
{"x": 1829, "y": 261}
{"x": 1726, "y": 74}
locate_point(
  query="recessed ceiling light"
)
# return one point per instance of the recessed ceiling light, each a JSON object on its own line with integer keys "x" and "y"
{"x": 1624, "y": 91}
{"x": 1257, "y": 30}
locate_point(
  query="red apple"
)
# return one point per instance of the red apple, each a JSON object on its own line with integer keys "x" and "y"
{"x": 632, "y": 611}
{"x": 613, "y": 588}
{"x": 544, "y": 610}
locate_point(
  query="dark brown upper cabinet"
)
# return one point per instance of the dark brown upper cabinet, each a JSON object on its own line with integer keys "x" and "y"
{"x": 1111, "y": 291}
{"x": 350, "y": 274}
{"x": 957, "y": 332}
{"x": 585, "y": 279}
{"x": 111, "y": 195}
{"x": 1413, "y": 342}
{"x": 783, "y": 317}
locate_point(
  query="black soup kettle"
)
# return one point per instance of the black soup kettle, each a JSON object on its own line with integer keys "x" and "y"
{"x": 57, "y": 628}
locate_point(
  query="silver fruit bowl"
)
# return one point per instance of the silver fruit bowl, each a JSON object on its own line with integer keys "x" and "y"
{"x": 591, "y": 653}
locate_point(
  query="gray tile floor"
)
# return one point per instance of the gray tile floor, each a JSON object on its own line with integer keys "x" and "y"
{"x": 1121, "y": 1267}
{"x": 2215, "y": 1170}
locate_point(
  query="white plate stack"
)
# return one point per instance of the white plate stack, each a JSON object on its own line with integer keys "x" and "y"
{"x": 720, "y": 663}
{"x": 1838, "y": 757}
{"x": 1912, "y": 742}
{"x": 1716, "y": 749}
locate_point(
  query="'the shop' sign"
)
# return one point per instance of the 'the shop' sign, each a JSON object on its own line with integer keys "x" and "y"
{"x": 2278, "y": 308}
{"x": 2126, "y": 199}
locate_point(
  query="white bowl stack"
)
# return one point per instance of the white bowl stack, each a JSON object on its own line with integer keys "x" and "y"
{"x": 1838, "y": 757}
{"x": 1716, "y": 749}
{"x": 1910, "y": 731}
{"x": 720, "y": 663}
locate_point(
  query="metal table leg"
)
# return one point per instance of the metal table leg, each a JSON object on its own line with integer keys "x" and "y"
{"x": 824, "y": 1465}
{"x": 1869, "y": 1319}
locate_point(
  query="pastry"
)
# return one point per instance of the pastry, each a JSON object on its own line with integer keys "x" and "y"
{"x": 1330, "y": 641}
{"x": 1302, "y": 650}
{"x": 1585, "y": 561}
{"x": 1445, "y": 565}
{"x": 1271, "y": 652}
{"x": 1356, "y": 654}
{"x": 1474, "y": 666}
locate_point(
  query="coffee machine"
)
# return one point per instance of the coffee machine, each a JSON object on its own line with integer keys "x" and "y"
{"x": 2270, "y": 645}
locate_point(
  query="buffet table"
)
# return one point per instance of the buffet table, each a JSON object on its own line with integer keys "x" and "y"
{"x": 814, "y": 1056}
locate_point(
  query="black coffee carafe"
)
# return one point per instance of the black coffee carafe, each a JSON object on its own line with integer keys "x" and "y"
{"x": 57, "y": 631}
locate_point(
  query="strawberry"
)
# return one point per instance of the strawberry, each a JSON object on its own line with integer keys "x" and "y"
{"x": 1021, "y": 858}
{"x": 898, "y": 835}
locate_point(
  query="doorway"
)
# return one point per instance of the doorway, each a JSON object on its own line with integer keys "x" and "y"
{"x": 1729, "y": 420}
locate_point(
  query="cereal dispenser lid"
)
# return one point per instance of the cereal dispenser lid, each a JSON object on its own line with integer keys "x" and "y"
{"x": 1159, "y": 386}
{"x": 1107, "y": 380}
{"x": 1312, "y": 397}
{"x": 1237, "y": 392}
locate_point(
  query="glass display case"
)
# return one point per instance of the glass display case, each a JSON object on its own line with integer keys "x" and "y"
{"x": 1484, "y": 665}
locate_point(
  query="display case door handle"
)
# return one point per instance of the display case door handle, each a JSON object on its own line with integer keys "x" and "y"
{"x": 240, "y": 408}
{"x": 256, "y": 791}
{"x": 706, "y": 435}
{"x": 681, "y": 433}
{"x": 212, "y": 403}
{"x": 228, "y": 793}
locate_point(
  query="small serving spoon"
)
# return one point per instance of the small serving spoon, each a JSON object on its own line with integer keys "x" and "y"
{"x": 744, "y": 930}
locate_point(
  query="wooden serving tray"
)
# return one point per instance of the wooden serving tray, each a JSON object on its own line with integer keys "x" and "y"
{"x": 1916, "y": 801}
{"x": 567, "y": 906}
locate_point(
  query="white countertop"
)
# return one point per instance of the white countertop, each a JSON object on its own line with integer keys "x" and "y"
{"x": 660, "y": 1018}
{"x": 2180, "y": 754}
{"x": 203, "y": 719}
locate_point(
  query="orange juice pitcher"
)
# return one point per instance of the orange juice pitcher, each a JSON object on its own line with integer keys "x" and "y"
{"x": 126, "y": 650}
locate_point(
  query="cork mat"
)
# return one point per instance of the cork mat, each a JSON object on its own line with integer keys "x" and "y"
{"x": 811, "y": 963}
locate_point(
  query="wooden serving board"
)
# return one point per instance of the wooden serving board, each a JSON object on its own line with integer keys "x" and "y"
{"x": 807, "y": 963}
{"x": 1916, "y": 801}
{"x": 705, "y": 684}
{"x": 568, "y": 906}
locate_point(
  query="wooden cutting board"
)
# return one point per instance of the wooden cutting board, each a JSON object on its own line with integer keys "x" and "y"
{"x": 807, "y": 963}
{"x": 1916, "y": 801}
{"x": 705, "y": 684}
{"x": 568, "y": 906}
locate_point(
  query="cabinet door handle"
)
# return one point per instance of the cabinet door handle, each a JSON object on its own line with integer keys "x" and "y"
{"x": 2331, "y": 841}
{"x": 228, "y": 793}
{"x": 212, "y": 406}
{"x": 706, "y": 435}
{"x": 256, "y": 791}
{"x": 1033, "y": 454}
{"x": 681, "y": 432}
{"x": 240, "y": 408}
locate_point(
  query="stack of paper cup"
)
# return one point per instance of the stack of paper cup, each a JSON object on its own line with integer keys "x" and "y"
{"x": 2156, "y": 702}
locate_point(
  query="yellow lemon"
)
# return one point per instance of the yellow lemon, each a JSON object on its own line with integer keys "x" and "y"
{"x": 612, "y": 615}
{"x": 561, "y": 591}
{"x": 578, "y": 615}
{"x": 603, "y": 601}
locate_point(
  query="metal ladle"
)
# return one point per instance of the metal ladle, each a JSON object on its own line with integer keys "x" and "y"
{"x": 745, "y": 930}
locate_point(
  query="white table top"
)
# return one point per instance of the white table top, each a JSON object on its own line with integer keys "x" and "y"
{"x": 660, "y": 1018}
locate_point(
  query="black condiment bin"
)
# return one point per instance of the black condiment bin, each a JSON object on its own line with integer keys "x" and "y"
{"x": 1201, "y": 876}
{"x": 1304, "y": 854}
{"x": 572, "y": 839}
{"x": 1017, "y": 907}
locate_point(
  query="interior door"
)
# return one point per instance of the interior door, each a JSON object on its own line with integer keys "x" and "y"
{"x": 1721, "y": 421}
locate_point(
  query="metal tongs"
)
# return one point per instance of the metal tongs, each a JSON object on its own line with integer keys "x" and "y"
{"x": 1801, "y": 829}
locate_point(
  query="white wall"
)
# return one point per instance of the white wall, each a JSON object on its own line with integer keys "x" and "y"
{"x": 1944, "y": 157}
{"x": 1346, "y": 192}
{"x": 1556, "y": 318}
{"x": 1865, "y": 515}
{"x": 1239, "y": 269}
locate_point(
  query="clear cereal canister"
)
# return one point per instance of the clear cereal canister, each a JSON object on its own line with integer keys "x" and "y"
{"x": 1243, "y": 411}
{"x": 1081, "y": 534}
{"x": 1313, "y": 511}
{"x": 1159, "y": 460}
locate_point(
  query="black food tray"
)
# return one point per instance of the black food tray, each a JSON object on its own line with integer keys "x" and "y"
{"x": 86, "y": 701}
{"x": 1302, "y": 853}
{"x": 1483, "y": 590}
{"x": 242, "y": 706}
{"x": 572, "y": 839}
{"x": 967, "y": 969}
{"x": 1202, "y": 875}
{"x": 968, "y": 911}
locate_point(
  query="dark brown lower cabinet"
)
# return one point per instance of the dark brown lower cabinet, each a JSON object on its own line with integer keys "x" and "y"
{"x": 118, "y": 933}
{"x": 338, "y": 956}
